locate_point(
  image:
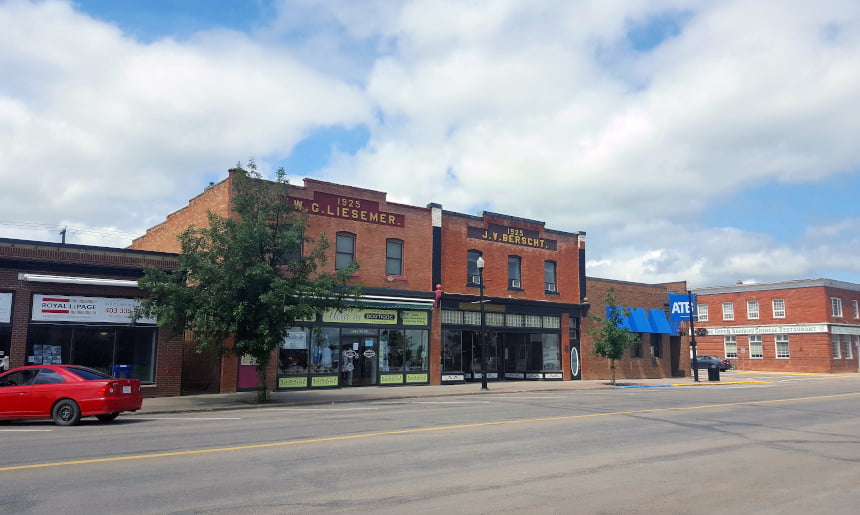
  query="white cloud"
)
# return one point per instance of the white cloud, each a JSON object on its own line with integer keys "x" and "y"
{"x": 536, "y": 109}
{"x": 106, "y": 131}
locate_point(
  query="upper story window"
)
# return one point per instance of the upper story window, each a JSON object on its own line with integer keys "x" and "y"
{"x": 778, "y": 308}
{"x": 514, "y": 270}
{"x": 728, "y": 311}
{"x": 836, "y": 306}
{"x": 473, "y": 275}
{"x": 752, "y": 309}
{"x": 702, "y": 312}
{"x": 393, "y": 257}
{"x": 856, "y": 308}
{"x": 549, "y": 278}
{"x": 344, "y": 250}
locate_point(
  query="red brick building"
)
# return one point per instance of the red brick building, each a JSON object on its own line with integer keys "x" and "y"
{"x": 661, "y": 352}
{"x": 533, "y": 286}
{"x": 62, "y": 303}
{"x": 799, "y": 326}
{"x": 385, "y": 338}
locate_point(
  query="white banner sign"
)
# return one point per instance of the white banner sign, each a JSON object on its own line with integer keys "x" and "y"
{"x": 65, "y": 308}
{"x": 767, "y": 329}
{"x": 5, "y": 308}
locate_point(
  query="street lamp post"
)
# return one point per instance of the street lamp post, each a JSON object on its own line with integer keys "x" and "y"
{"x": 480, "y": 265}
{"x": 693, "y": 337}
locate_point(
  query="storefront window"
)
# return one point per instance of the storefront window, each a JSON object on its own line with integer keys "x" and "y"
{"x": 293, "y": 353}
{"x": 325, "y": 351}
{"x": 391, "y": 350}
{"x": 100, "y": 347}
{"x": 452, "y": 351}
{"x": 5, "y": 348}
{"x": 551, "y": 352}
{"x": 416, "y": 349}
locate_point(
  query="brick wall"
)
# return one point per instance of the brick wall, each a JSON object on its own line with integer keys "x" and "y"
{"x": 456, "y": 243}
{"x": 18, "y": 256}
{"x": 809, "y": 352}
{"x": 629, "y": 294}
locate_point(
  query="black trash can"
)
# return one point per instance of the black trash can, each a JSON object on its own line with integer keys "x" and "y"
{"x": 713, "y": 373}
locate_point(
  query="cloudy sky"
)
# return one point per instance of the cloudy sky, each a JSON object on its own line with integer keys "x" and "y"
{"x": 712, "y": 141}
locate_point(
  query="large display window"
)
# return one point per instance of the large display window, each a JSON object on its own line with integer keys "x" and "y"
{"x": 353, "y": 356}
{"x": 124, "y": 351}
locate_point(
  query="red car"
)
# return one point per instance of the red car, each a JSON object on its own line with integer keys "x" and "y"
{"x": 65, "y": 393}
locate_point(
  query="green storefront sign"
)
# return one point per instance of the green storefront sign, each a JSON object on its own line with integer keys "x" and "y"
{"x": 292, "y": 382}
{"x": 324, "y": 381}
{"x": 360, "y": 316}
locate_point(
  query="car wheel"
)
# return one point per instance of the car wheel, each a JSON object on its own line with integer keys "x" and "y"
{"x": 107, "y": 417}
{"x": 66, "y": 413}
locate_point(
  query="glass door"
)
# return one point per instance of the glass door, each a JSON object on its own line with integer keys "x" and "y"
{"x": 359, "y": 360}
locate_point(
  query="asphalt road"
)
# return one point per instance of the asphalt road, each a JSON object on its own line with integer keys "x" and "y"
{"x": 784, "y": 447}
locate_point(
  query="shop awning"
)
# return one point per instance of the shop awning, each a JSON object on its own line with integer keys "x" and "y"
{"x": 638, "y": 321}
{"x": 41, "y": 278}
{"x": 659, "y": 324}
{"x": 394, "y": 302}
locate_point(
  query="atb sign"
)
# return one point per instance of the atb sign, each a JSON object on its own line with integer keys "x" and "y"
{"x": 681, "y": 308}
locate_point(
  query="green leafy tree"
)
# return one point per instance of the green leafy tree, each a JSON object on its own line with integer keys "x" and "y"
{"x": 247, "y": 277}
{"x": 610, "y": 336}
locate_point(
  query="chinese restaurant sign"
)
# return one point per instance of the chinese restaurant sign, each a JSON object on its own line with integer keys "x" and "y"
{"x": 348, "y": 208}
{"x": 512, "y": 236}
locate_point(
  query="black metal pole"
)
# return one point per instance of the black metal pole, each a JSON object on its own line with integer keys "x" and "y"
{"x": 693, "y": 337}
{"x": 483, "y": 334}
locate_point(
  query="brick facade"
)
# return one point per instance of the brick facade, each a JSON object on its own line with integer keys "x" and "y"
{"x": 79, "y": 261}
{"x": 808, "y": 325}
{"x": 672, "y": 359}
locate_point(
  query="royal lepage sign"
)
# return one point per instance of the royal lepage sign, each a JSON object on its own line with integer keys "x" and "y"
{"x": 65, "y": 308}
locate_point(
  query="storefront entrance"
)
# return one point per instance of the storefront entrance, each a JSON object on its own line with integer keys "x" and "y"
{"x": 359, "y": 359}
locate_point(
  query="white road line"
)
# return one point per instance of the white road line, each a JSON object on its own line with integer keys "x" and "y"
{"x": 188, "y": 418}
{"x": 25, "y": 430}
{"x": 319, "y": 409}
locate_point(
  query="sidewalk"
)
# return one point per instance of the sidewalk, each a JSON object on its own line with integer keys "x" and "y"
{"x": 225, "y": 401}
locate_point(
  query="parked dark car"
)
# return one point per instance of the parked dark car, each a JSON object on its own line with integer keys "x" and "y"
{"x": 65, "y": 393}
{"x": 706, "y": 361}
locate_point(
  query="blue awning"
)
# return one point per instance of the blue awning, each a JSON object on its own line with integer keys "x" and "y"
{"x": 624, "y": 322}
{"x": 659, "y": 324}
{"x": 639, "y": 321}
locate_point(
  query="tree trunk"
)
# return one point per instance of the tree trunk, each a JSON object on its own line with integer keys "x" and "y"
{"x": 262, "y": 388}
{"x": 612, "y": 369}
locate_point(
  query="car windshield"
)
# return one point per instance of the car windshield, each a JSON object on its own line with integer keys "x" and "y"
{"x": 88, "y": 373}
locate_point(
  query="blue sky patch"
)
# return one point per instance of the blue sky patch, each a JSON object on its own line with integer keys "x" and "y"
{"x": 652, "y": 32}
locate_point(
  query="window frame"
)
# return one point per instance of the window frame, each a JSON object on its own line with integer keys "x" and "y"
{"x": 855, "y": 307}
{"x": 472, "y": 256}
{"x": 781, "y": 339}
{"x": 515, "y": 273}
{"x": 756, "y": 340}
{"x": 338, "y": 253}
{"x": 550, "y": 286}
{"x": 389, "y": 259}
{"x": 701, "y": 312}
{"x": 778, "y": 312}
{"x": 730, "y": 338}
{"x": 752, "y": 310}
{"x": 835, "y": 346}
{"x": 836, "y": 307}
{"x": 728, "y": 311}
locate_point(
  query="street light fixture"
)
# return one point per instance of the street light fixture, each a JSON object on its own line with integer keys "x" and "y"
{"x": 480, "y": 264}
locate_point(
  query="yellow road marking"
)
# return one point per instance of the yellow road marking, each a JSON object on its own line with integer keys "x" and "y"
{"x": 407, "y": 431}
{"x": 811, "y": 374}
